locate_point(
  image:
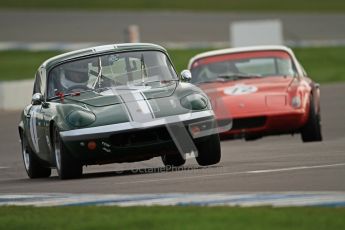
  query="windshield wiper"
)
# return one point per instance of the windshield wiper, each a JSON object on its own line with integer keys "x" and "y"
{"x": 237, "y": 76}
{"x": 99, "y": 75}
{"x": 143, "y": 69}
{"x": 146, "y": 83}
{"x": 210, "y": 81}
{"x": 229, "y": 77}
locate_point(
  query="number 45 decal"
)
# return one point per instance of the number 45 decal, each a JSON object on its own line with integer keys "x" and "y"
{"x": 240, "y": 89}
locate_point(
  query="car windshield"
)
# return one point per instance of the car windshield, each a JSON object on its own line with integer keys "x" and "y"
{"x": 148, "y": 69}
{"x": 242, "y": 65}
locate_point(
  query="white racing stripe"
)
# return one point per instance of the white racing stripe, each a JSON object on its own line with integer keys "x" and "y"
{"x": 236, "y": 173}
{"x": 138, "y": 108}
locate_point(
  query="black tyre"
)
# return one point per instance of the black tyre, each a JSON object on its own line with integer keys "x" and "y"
{"x": 173, "y": 160}
{"x": 66, "y": 166}
{"x": 311, "y": 131}
{"x": 209, "y": 152}
{"x": 32, "y": 165}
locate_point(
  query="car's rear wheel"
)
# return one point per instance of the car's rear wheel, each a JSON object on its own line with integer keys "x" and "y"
{"x": 173, "y": 160}
{"x": 32, "y": 165}
{"x": 67, "y": 167}
{"x": 209, "y": 151}
{"x": 311, "y": 131}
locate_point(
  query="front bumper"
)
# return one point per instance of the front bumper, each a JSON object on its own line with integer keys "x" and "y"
{"x": 132, "y": 141}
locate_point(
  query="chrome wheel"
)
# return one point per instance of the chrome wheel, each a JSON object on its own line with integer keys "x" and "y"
{"x": 32, "y": 164}
{"x": 26, "y": 155}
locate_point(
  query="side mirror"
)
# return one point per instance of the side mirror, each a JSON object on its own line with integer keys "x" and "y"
{"x": 186, "y": 75}
{"x": 37, "y": 99}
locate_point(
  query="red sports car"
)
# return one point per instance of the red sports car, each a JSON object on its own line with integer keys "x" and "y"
{"x": 260, "y": 91}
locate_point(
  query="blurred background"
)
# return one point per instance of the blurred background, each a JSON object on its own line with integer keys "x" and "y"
{"x": 34, "y": 30}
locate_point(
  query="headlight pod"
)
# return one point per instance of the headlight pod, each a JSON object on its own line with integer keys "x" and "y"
{"x": 194, "y": 102}
{"x": 80, "y": 118}
{"x": 296, "y": 102}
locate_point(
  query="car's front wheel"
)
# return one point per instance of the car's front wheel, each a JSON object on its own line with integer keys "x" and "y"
{"x": 66, "y": 166}
{"x": 33, "y": 166}
{"x": 311, "y": 131}
{"x": 209, "y": 151}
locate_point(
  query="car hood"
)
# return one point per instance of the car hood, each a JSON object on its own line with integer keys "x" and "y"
{"x": 119, "y": 95}
{"x": 247, "y": 97}
{"x": 139, "y": 106}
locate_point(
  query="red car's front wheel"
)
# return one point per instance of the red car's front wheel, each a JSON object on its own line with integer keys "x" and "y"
{"x": 311, "y": 131}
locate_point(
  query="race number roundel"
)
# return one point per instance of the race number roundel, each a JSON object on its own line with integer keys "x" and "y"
{"x": 240, "y": 89}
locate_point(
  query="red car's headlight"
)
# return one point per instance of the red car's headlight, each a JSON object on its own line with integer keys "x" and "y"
{"x": 296, "y": 102}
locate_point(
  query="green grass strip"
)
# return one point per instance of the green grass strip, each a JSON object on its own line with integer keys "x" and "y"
{"x": 18, "y": 65}
{"x": 193, "y": 5}
{"x": 323, "y": 64}
{"x": 171, "y": 218}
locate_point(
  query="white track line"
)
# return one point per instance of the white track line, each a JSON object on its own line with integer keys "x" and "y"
{"x": 237, "y": 173}
{"x": 296, "y": 168}
{"x": 3, "y": 167}
{"x": 281, "y": 199}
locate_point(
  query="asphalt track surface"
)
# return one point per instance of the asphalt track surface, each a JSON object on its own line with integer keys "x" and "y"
{"x": 108, "y": 27}
{"x": 272, "y": 164}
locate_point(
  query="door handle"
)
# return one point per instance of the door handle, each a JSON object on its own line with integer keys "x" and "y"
{"x": 28, "y": 116}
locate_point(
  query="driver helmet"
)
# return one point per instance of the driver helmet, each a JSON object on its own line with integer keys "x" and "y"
{"x": 74, "y": 76}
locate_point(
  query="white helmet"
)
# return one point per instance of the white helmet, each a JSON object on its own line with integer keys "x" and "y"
{"x": 73, "y": 77}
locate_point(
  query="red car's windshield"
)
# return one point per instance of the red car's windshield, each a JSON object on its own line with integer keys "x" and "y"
{"x": 246, "y": 64}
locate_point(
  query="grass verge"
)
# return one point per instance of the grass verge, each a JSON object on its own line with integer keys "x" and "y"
{"x": 323, "y": 64}
{"x": 18, "y": 65}
{"x": 171, "y": 218}
{"x": 194, "y": 5}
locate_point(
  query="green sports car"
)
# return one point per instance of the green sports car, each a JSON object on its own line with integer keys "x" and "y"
{"x": 112, "y": 104}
